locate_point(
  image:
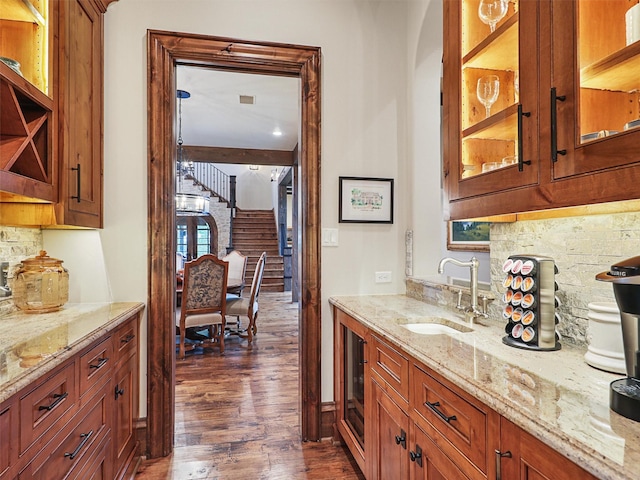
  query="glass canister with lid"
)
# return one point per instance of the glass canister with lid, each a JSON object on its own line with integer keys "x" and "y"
{"x": 40, "y": 284}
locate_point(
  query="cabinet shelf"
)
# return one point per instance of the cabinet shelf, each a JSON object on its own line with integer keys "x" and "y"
{"x": 499, "y": 51}
{"x": 500, "y": 126}
{"x": 21, "y": 11}
{"x": 618, "y": 71}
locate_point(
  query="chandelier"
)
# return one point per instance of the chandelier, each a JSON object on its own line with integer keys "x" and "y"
{"x": 186, "y": 203}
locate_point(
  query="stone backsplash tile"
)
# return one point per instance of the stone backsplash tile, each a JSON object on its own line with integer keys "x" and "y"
{"x": 16, "y": 244}
{"x": 581, "y": 248}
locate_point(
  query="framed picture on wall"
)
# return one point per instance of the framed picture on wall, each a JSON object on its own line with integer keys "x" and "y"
{"x": 366, "y": 200}
{"x": 464, "y": 235}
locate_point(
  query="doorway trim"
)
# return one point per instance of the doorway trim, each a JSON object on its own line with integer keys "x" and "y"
{"x": 165, "y": 50}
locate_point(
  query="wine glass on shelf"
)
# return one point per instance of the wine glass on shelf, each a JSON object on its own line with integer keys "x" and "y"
{"x": 487, "y": 91}
{"x": 492, "y": 11}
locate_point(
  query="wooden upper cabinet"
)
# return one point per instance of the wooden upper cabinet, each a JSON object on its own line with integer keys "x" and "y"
{"x": 79, "y": 106}
{"x": 560, "y": 115}
{"x": 599, "y": 118}
{"x": 482, "y": 147}
{"x": 51, "y": 124}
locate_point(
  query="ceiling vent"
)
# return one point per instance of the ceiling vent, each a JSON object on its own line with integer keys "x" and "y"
{"x": 247, "y": 99}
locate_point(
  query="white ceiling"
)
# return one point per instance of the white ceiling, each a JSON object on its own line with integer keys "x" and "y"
{"x": 213, "y": 116}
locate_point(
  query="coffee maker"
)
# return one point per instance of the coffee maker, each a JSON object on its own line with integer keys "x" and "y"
{"x": 624, "y": 396}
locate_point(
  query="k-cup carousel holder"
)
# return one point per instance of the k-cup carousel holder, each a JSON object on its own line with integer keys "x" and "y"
{"x": 530, "y": 302}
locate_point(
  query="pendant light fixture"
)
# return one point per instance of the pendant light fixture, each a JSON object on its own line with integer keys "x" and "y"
{"x": 186, "y": 203}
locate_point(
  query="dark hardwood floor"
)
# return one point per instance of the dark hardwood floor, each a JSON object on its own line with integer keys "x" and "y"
{"x": 237, "y": 415}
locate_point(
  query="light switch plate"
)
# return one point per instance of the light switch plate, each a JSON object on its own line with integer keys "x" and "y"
{"x": 329, "y": 237}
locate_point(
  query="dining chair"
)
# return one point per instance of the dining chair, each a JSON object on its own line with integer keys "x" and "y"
{"x": 248, "y": 306}
{"x": 237, "y": 270}
{"x": 203, "y": 301}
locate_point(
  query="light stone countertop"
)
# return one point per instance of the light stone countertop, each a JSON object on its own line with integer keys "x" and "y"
{"x": 555, "y": 396}
{"x": 33, "y": 344}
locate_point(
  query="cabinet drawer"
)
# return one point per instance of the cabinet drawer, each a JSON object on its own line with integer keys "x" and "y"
{"x": 459, "y": 427}
{"x": 95, "y": 364}
{"x": 75, "y": 444}
{"x": 53, "y": 400}
{"x": 391, "y": 366}
{"x": 126, "y": 340}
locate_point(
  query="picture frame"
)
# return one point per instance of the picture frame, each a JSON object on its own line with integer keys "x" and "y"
{"x": 468, "y": 236}
{"x": 365, "y": 200}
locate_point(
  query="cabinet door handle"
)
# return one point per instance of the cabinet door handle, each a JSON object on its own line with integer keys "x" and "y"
{"x": 521, "y": 160}
{"x": 433, "y": 406}
{"x": 77, "y": 169}
{"x": 554, "y": 124}
{"x": 101, "y": 362}
{"x": 416, "y": 456}
{"x": 118, "y": 392}
{"x": 58, "y": 397}
{"x": 402, "y": 439}
{"x": 499, "y": 456}
{"x": 85, "y": 438}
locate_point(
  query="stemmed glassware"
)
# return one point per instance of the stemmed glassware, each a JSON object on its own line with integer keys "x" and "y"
{"x": 487, "y": 91}
{"x": 492, "y": 11}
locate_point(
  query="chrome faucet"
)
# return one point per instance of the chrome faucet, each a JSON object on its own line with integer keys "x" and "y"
{"x": 472, "y": 312}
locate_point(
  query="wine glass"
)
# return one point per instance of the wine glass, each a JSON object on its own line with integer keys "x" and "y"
{"x": 488, "y": 90}
{"x": 492, "y": 11}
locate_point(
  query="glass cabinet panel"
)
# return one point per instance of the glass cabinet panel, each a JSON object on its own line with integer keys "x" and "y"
{"x": 609, "y": 62}
{"x": 354, "y": 384}
{"x": 489, "y": 85}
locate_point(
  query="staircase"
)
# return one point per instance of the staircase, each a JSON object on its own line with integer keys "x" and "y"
{"x": 254, "y": 232}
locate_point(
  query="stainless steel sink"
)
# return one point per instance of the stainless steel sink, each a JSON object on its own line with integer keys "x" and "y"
{"x": 435, "y": 326}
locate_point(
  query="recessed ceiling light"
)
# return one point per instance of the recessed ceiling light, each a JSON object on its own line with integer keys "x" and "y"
{"x": 247, "y": 99}
{"x": 277, "y": 132}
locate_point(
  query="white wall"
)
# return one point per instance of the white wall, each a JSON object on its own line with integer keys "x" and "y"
{"x": 380, "y": 84}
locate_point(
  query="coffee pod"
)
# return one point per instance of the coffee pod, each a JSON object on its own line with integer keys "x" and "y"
{"x": 528, "y": 334}
{"x": 528, "y": 317}
{"x": 528, "y": 300}
{"x": 516, "y": 299}
{"x": 517, "y": 330}
{"x": 516, "y": 316}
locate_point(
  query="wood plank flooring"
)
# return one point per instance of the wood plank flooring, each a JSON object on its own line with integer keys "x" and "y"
{"x": 237, "y": 415}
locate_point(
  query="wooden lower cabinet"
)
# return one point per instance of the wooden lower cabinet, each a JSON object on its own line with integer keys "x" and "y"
{"x": 420, "y": 426}
{"x": 77, "y": 421}
{"x": 387, "y": 444}
{"x": 524, "y": 457}
{"x": 428, "y": 462}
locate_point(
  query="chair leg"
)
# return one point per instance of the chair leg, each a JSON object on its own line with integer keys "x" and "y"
{"x": 221, "y": 337}
{"x": 181, "y": 352}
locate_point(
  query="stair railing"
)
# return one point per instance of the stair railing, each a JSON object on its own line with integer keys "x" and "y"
{"x": 211, "y": 178}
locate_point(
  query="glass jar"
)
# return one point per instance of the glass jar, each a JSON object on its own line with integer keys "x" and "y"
{"x": 40, "y": 284}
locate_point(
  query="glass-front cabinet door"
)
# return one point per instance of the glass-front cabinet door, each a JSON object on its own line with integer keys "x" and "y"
{"x": 354, "y": 384}
{"x": 595, "y": 85}
{"x": 490, "y": 81}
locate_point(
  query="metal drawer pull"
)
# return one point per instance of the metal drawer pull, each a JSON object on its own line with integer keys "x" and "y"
{"x": 85, "y": 438}
{"x": 433, "y": 408}
{"x": 101, "y": 362}
{"x": 77, "y": 169}
{"x": 521, "y": 160}
{"x": 499, "y": 455}
{"x": 58, "y": 397}
{"x": 554, "y": 124}
{"x": 127, "y": 339}
{"x": 402, "y": 439}
{"x": 417, "y": 455}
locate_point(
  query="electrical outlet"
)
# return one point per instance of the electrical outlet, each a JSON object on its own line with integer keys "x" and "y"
{"x": 383, "y": 277}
